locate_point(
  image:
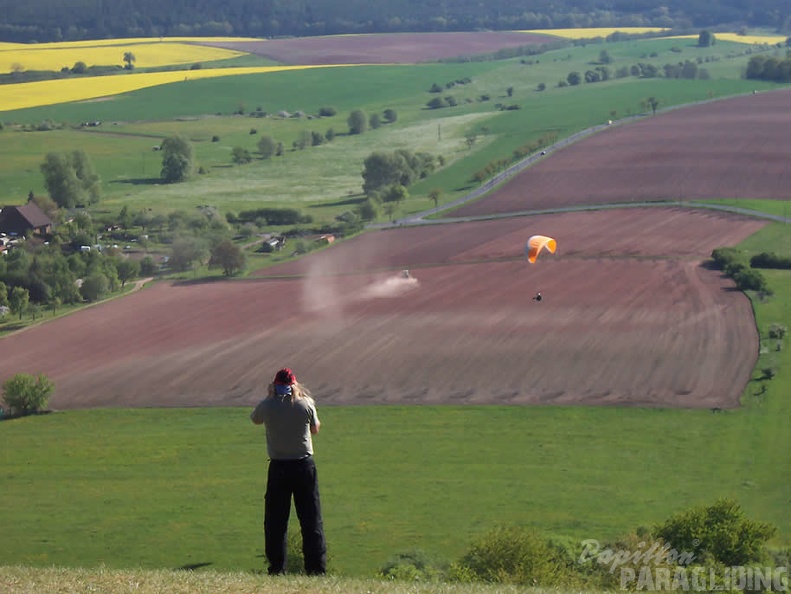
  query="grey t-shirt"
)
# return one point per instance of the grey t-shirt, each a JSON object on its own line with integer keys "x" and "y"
{"x": 287, "y": 426}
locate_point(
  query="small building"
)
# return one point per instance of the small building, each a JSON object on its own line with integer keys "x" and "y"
{"x": 18, "y": 220}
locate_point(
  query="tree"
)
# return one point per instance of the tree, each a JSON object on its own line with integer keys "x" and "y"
{"x": 706, "y": 38}
{"x": 368, "y": 209}
{"x": 395, "y": 193}
{"x": 604, "y": 57}
{"x": 177, "y": 159}
{"x": 228, "y": 256}
{"x": 653, "y": 103}
{"x": 434, "y": 196}
{"x": 18, "y": 300}
{"x": 95, "y": 287}
{"x": 240, "y": 155}
{"x": 185, "y": 251}
{"x": 390, "y": 116}
{"x": 86, "y": 174}
{"x": 79, "y": 68}
{"x": 70, "y": 178}
{"x": 436, "y": 103}
{"x": 390, "y": 209}
{"x": 510, "y": 91}
{"x": 358, "y": 122}
{"x": 24, "y": 394}
{"x": 375, "y": 121}
{"x": 266, "y": 146}
{"x": 470, "y": 137}
{"x": 574, "y": 78}
{"x": 3, "y": 294}
{"x": 127, "y": 269}
{"x": 129, "y": 58}
{"x": 381, "y": 169}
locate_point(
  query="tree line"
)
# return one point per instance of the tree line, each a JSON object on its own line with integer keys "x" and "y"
{"x": 49, "y": 20}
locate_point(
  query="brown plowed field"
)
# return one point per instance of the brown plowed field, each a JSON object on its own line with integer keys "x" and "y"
{"x": 629, "y": 316}
{"x": 733, "y": 148}
{"x": 385, "y": 48}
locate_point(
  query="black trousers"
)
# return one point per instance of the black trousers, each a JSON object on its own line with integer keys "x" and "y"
{"x": 297, "y": 478}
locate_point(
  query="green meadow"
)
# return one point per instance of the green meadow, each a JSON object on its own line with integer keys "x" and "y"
{"x": 178, "y": 488}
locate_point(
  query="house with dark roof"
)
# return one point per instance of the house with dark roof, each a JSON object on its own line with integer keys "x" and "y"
{"x": 18, "y": 220}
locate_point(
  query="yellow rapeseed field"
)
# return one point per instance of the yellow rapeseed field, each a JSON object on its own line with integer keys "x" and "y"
{"x": 589, "y": 33}
{"x": 51, "y": 92}
{"x": 147, "y": 53}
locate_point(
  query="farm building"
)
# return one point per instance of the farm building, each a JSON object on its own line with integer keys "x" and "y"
{"x": 18, "y": 220}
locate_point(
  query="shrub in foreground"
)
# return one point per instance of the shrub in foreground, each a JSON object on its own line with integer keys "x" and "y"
{"x": 24, "y": 394}
{"x": 514, "y": 555}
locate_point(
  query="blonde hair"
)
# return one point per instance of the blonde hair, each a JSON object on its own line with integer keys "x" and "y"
{"x": 298, "y": 392}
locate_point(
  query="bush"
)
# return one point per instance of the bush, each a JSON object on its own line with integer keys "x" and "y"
{"x": 413, "y": 566}
{"x": 722, "y": 257}
{"x": 513, "y": 555}
{"x": 327, "y": 112}
{"x": 24, "y": 394}
{"x": 718, "y": 533}
{"x": 750, "y": 280}
{"x": 770, "y": 260}
{"x": 777, "y": 331}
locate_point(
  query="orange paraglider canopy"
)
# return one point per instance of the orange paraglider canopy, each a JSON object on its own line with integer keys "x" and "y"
{"x": 537, "y": 243}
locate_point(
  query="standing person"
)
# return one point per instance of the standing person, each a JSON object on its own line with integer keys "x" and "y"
{"x": 289, "y": 415}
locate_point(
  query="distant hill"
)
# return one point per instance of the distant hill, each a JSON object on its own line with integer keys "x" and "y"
{"x": 56, "y": 20}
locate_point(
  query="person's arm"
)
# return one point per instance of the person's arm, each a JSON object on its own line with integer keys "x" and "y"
{"x": 257, "y": 416}
{"x": 315, "y": 424}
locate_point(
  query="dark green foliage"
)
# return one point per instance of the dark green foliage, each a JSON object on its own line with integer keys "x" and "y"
{"x": 403, "y": 167}
{"x": 357, "y": 121}
{"x": 719, "y": 533}
{"x": 436, "y": 103}
{"x": 750, "y": 280}
{"x": 275, "y": 216}
{"x": 70, "y": 179}
{"x": 127, "y": 270}
{"x": 177, "y": 159}
{"x": 46, "y": 20}
{"x": 722, "y": 257}
{"x": 228, "y": 256}
{"x": 240, "y": 155}
{"x": 147, "y": 266}
{"x": 95, "y": 287}
{"x": 266, "y": 146}
{"x": 706, "y": 38}
{"x": 770, "y": 260}
{"x": 327, "y": 112}
{"x": 574, "y": 78}
{"x": 769, "y": 68}
{"x": 390, "y": 116}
